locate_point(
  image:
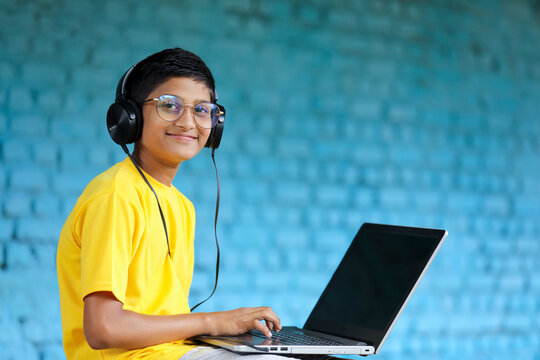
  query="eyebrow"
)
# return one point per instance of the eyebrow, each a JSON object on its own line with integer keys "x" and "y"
{"x": 195, "y": 102}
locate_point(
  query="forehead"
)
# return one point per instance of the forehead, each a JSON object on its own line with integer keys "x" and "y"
{"x": 184, "y": 87}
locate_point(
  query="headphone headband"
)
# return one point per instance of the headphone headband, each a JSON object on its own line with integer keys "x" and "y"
{"x": 121, "y": 87}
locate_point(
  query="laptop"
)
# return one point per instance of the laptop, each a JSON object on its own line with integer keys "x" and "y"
{"x": 363, "y": 300}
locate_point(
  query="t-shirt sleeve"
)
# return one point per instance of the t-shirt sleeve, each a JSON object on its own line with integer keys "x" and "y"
{"x": 107, "y": 227}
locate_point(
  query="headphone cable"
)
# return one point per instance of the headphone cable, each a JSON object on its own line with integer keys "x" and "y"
{"x": 124, "y": 147}
{"x": 215, "y": 234}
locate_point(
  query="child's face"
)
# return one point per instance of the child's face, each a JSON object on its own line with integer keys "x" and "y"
{"x": 173, "y": 142}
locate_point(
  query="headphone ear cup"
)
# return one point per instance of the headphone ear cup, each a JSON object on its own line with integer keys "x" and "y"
{"x": 124, "y": 122}
{"x": 217, "y": 131}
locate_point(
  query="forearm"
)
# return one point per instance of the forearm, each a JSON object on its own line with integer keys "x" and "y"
{"x": 131, "y": 330}
{"x": 108, "y": 325}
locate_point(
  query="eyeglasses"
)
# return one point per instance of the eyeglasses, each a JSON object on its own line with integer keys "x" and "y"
{"x": 170, "y": 108}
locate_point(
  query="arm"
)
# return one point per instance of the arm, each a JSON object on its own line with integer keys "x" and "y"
{"x": 108, "y": 325}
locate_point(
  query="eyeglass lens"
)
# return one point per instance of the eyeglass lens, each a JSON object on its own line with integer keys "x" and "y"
{"x": 170, "y": 108}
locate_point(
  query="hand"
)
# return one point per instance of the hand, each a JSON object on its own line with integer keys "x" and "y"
{"x": 240, "y": 321}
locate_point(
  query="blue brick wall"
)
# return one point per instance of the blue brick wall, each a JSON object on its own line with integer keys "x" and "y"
{"x": 418, "y": 113}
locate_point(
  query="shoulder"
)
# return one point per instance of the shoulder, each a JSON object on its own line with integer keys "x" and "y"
{"x": 119, "y": 179}
{"x": 118, "y": 183}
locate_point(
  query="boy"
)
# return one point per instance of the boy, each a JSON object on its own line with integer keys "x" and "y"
{"x": 124, "y": 270}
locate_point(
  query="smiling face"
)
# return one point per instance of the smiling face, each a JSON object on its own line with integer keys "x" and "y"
{"x": 169, "y": 143}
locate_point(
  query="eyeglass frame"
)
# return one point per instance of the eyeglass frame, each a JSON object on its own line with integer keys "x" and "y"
{"x": 221, "y": 113}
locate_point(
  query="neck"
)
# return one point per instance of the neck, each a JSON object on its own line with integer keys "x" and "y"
{"x": 159, "y": 170}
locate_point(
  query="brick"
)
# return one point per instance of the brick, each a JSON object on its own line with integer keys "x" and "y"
{"x": 406, "y": 155}
{"x": 16, "y": 151}
{"x": 252, "y": 260}
{"x": 203, "y": 260}
{"x": 44, "y": 152}
{"x": 34, "y": 126}
{"x": 49, "y": 101}
{"x": 7, "y": 71}
{"x": 38, "y": 230}
{"x": 16, "y": 205}
{"x": 249, "y": 236}
{"x": 7, "y": 227}
{"x": 67, "y": 202}
{"x": 311, "y": 283}
{"x": 72, "y": 156}
{"x": 296, "y": 148}
{"x": 69, "y": 183}
{"x": 308, "y": 14}
{"x": 98, "y": 78}
{"x": 328, "y": 240}
{"x": 427, "y": 200}
{"x": 332, "y": 195}
{"x": 394, "y": 199}
{"x": 463, "y": 203}
{"x": 45, "y": 255}
{"x": 268, "y": 168}
{"x": 497, "y": 205}
{"x": 19, "y": 256}
{"x": 9, "y": 327}
{"x": 256, "y": 192}
{"x": 28, "y": 180}
{"x": 292, "y": 193}
{"x": 525, "y": 205}
{"x": 72, "y": 128}
{"x": 46, "y": 206}
{"x": 257, "y": 144}
{"x": 20, "y": 350}
{"x": 367, "y": 108}
{"x": 75, "y": 102}
{"x": 36, "y": 332}
{"x": 272, "y": 283}
{"x": 243, "y": 6}
{"x": 291, "y": 237}
{"x": 370, "y": 154}
{"x": 511, "y": 283}
{"x": 21, "y": 101}
{"x": 329, "y": 150}
{"x": 276, "y": 9}
{"x": 3, "y": 123}
{"x": 52, "y": 352}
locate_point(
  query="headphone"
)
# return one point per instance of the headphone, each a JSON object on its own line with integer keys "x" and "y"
{"x": 125, "y": 122}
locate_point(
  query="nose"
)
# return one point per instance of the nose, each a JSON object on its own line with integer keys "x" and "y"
{"x": 186, "y": 120}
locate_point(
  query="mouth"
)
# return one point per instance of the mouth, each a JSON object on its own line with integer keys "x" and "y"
{"x": 183, "y": 136}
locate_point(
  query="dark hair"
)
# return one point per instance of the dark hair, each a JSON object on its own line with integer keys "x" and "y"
{"x": 161, "y": 66}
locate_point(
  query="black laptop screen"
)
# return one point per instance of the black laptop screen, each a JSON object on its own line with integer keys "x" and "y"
{"x": 373, "y": 281}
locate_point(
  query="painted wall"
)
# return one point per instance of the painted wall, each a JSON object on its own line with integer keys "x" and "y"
{"x": 420, "y": 113}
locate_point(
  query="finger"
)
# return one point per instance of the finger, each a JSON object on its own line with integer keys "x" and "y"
{"x": 262, "y": 328}
{"x": 269, "y": 324}
{"x": 270, "y": 316}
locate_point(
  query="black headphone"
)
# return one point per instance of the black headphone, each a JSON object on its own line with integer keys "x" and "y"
{"x": 124, "y": 118}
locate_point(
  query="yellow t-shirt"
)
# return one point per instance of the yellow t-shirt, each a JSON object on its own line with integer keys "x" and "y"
{"x": 114, "y": 240}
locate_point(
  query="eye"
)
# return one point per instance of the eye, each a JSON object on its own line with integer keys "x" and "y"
{"x": 202, "y": 109}
{"x": 169, "y": 104}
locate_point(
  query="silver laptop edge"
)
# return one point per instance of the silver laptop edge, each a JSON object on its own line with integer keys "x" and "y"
{"x": 231, "y": 344}
{"x": 412, "y": 291}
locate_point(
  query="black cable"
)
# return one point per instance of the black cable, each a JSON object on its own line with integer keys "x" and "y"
{"x": 126, "y": 150}
{"x": 124, "y": 147}
{"x": 215, "y": 233}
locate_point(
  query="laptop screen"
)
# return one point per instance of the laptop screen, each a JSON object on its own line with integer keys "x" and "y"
{"x": 373, "y": 281}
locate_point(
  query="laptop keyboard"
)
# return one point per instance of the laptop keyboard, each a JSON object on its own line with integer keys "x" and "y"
{"x": 295, "y": 338}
